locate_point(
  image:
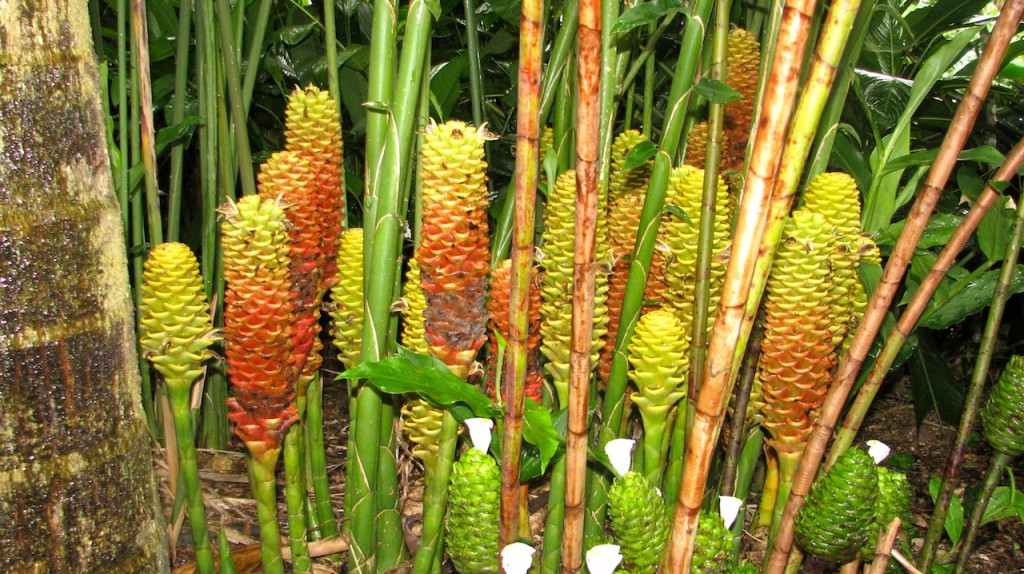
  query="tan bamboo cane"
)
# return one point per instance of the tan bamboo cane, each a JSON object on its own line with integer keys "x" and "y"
{"x": 881, "y": 299}
{"x": 750, "y": 227}
{"x": 584, "y": 280}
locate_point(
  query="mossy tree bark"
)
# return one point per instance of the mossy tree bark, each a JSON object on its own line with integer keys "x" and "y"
{"x": 76, "y": 483}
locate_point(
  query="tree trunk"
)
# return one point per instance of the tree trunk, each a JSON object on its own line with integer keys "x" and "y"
{"x": 76, "y": 483}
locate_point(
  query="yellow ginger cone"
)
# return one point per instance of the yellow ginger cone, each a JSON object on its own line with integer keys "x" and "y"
{"x": 175, "y": 314}
{"x": 258, "y": 305}
{"x": 620, "y": 181}
{"x": 556, "y": 288}
{"x": 798, "y": 354}
{"x": 421, "y": 421}
{"x": 743, "y": 68}
{"x": 454, "y": 254}
{"x": 697, "y": 147}
{"x": 347, "y": 299}
{"x": 660, "y": 363}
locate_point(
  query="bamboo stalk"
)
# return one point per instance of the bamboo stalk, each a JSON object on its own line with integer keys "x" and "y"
{"x": 884, "y": 548}
{"x": 147, "y": 136}
{"x": 181, "y": 71}
{"x": 729, "y": 335}
{"x": 295, "y": 497}
{"x": 436, "y": 499}
{"x": 882, "y": 298}
{"x": 265, "y": 492}
{"x": 182, "y": 413}
{"x": 526, "y": 178}
{"x": 650, "y": 219}
{"x": 995, "y": 470}
{"x": 972, "y": 402}
{"x": 256, "y": 51}
{"x": 588, "y": 126}
{"x": 919, "y": 303}
{"x": 238, "y": 115}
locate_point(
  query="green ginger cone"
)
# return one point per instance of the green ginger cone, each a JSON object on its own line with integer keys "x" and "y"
{"x": 636, "y": 513}
{"x": 893, "y": 500}
{"x": 712, "y": 552}
{"x": 1003, "y": 416}
{"x": 474, "y": 498}
{"x": 839, "y": 512}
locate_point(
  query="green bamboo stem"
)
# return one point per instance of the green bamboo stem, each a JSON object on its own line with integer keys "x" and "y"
{"x": 229, "y": 53}
{"x": 180, "y": 395}
{"x": 390, "y": 542}
{"x": 645, "y": 58}
{"x": 729, "y": 336}
{"x": 919, "y": 303}
{"x": 146, "y": 133}
{"x": 789, "y": 462}
{"x": 995, "y": 470}
{"x": 654, "y": 446}
{"x": 264, "y": 484}
{"x": 436, "y": 498}
{"x": 256, "y": 51}
{"x": 739, "y": 438}
{"x": 314, "y": 425}
{"x": 650, "y": 219}
{"x": 476, "y": 88}
{"x": 524, "y": 201}
{"x": 972, "y": 402}
{"x": 295, "y": 497}
{"x": 647, "y": 116}
{"x": 748, "y": 458}
{"x": 562, "y": 126}
{"x": 883, "y": 296}
{"x": 181, "y": 73}
{"x": 551, "y": 559}
{"x": 227, "y": 565}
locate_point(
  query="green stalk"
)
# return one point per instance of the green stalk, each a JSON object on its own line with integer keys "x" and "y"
{"x": 476, "y": 89}
{"x": 919, "y": 303}
{"x": 318, "y": 458}
{"x": 647, "y": 117}
{"x": 229, "y": 52}
{"x": 881, "y": 299}
{"x": 333, "y": 81}
{"x": 390, "y": 542}
{"x": 181, "y": 72}
{"x": 531, "y": 28}
{"x": 654, "y": 444}
{"x": 551, "y": 560}
{"x": 748, "y": 458}
{"x": 645, "y": 58}
{"x": 252, "y": 61}
{"x": 562, "y": 127}
{"x": 264, "y": 483}
{"x": 227, "y": 565}
{"x": 995, "y": 470}
{"x": 295, "y": 498}
{"x": 147, "y": 136}
{"x": 436, "y": 498}
{"x": 650, "y": 220}
{"x": 180, "y": 395}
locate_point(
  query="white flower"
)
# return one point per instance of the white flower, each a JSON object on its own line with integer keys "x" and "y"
{"x": 516, "y": 558}
{"x": 603, "y": 559}
{"x": 480, "y": 433}
{"x": 729, "y": 507}
{"x": 619, "y": 453}
{"x": 878, "y": 450}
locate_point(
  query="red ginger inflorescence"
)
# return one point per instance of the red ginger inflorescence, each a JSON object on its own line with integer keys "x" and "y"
{"x": 498, "y": 305}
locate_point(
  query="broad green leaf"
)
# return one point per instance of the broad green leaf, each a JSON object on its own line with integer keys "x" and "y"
{"x": 539, "y": 430}
{"x": 716, "y": 91}
{"x": 942, "y": 16}
{"x": 932, "y": 384}
{"x": 410, "y": 372}
{"x": 500, "y": 43}
{"x": 984, "y": 154}
{"x": 639, "y": 155}
{"x": 446, "y": 84}
{"x": 434, "y": 7}
{"x": 164, "y": 137}
{"x": 845, "y": 152}
{"x": 292, "y": 35}
{"x": 645, "y": 13}
{"x": 969, "y": 299}
{"x": 1002, "y": 504}
{"x": 940, "y": 228}
{"x": 954, "y": 516}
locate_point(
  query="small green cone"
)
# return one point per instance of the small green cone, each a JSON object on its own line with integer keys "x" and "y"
{"x": 838, "y": 514}
{"x": 712, "y": 551}
{"x": 1003, "y": 416}
{"x": 894, "y": 496}
{"x": 638, "y": 521}
{"x": 471, "y": 522}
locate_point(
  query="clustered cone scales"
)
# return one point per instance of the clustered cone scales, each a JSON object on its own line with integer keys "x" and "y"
{"x": 347, "y": 299}
{"x": 658, "y": 356}
{"x": 712, "y": 551}
{"x": 258, "y": 307}
{"x": 558, "y": 250}
{"x": 288, "y": 176}
{"x": 313, "y": 128}
{"x": 474, "y": 500}
{"x": 623, "y": 182}
{"x": 421, "y": 421}
{"x": 839, "y": 512}
{"x": 743, "y": 67}
{"x": 697, "y": 147}
{"x": 453, "y": 254}
{"x": 638, "y": 522}
{"x": 175, "y": 314}
{"x": 797, "y": 353}
{"x": 1002, "y": 417}
{"x": 894, "y": 496}
{"x": 498, "y": 305}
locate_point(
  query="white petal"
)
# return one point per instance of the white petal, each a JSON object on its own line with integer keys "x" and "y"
{"x": 729, "y": 507}
{"x": 516, "y": 558}
{"x": 878, "y": 450}
{"x": 603, "y": 559}
{"x": 620, "y": 454}
{"x": 480, "y": 433}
